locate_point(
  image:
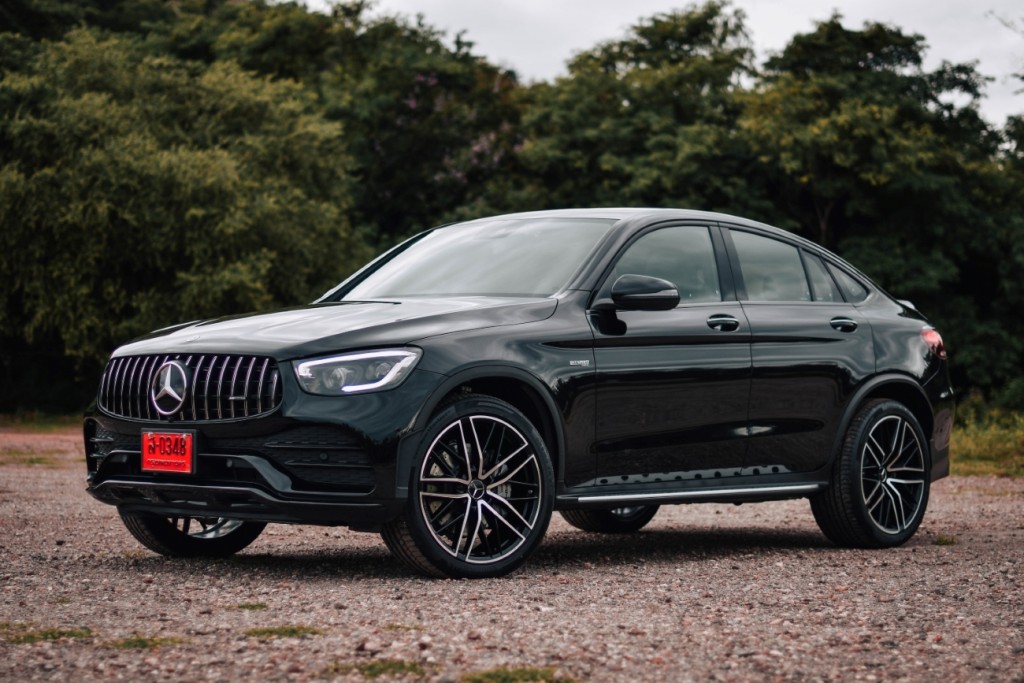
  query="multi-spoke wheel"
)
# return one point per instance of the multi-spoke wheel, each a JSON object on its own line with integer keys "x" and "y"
{"x": 191, "y": 536}
{"x": 621, "y": 520}
{"x": 481, "y": 495}
{"x": 880, "y": 484}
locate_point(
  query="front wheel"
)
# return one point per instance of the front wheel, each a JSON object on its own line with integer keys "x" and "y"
{"x": 481, "y": 493}
{"x": 879, "y": 489}
{"x": 621, "y": 520}
{"x": 191, "y": 536}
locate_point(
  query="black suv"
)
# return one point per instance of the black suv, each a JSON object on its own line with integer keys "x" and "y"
{"x": 461, "y": 386}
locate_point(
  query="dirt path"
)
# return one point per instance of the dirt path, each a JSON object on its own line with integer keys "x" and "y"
{"x": 707, "y": 592}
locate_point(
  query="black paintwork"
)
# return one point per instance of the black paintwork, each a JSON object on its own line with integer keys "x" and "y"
{"x": 632, "y": 403}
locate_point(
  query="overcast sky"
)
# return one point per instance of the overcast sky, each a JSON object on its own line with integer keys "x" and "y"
{"x": 537, "y": 37}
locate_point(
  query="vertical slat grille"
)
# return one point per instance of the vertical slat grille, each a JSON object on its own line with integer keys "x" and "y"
{"x": 221, "y": 387}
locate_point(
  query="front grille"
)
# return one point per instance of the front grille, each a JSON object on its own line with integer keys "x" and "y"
{"x": 222, "y": 387}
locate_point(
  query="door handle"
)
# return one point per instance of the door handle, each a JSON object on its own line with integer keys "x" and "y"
{"x": 723, "y": 323}
{"x": 843, "y": 324}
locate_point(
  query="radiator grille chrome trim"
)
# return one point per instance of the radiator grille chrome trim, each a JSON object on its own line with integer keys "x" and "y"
{"x": 222, "y": 387}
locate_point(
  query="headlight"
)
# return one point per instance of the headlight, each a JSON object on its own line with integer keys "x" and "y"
{"x": 355, "y": 373}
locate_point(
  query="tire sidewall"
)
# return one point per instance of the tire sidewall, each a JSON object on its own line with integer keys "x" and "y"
{"x": 158, "y": 534}
{"x": 421, "y": 533}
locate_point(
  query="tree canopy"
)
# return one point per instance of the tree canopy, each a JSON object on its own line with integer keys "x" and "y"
{"x": 161, "y": 162}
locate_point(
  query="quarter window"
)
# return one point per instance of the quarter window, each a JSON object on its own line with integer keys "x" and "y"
{"x": 822, "y": 284}
{"x": 771, "y": 269}
{"x": 682, "y": 254}
{"x": 855, "y": 291}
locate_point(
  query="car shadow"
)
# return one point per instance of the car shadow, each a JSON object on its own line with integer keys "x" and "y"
{"x": 560, "y": 552}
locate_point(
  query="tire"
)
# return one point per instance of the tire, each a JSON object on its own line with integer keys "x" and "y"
{"x": 191, "y": 536}
{"x": 481, "y": 493}
{"x": 880, "y": 484}
{"x": 622, "y": 520}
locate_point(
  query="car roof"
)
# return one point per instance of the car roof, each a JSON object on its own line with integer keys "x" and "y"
{"x": 617, "y": 213}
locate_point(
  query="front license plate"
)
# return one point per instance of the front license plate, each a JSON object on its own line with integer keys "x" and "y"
{"x": 168, "y": 452}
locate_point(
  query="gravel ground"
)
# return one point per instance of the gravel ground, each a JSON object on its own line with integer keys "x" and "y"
{"x": 706, "y": 592}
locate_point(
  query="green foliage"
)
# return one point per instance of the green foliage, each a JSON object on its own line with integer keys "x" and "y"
{"x": 425, "y": 121}
{"x": 137, "y": 191}
{"x": 891, "y": 165}
{"x": 647, "y": 120}
{"x": 162, "y": 162}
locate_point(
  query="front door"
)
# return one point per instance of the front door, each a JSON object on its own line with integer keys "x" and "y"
{"x": 672, "y": 386}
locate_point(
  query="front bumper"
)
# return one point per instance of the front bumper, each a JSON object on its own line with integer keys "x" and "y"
{"x": 318, "y": 460}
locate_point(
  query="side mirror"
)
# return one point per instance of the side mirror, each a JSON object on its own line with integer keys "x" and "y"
{"x": 644, "y": 293}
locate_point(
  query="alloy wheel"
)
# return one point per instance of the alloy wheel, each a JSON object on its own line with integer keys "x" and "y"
{"x": 480, "y": 489}
{"x": 892, "y": 474}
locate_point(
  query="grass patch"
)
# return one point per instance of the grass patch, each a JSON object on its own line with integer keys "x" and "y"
{"x": 40, "y": 423}
{"x": 138, "y": 642}
{"x": 987, "y": 441}
{"x": 29, "y": 457}
{"x": 377, "y": 668}
{"x": 401, "y": 627}
{"x": 62, "y": 600}
{"x": 516, "y": 675}
{"x": 18, "y": 636}
{"x": 252, "y": 606}
{"x": 942, "y": 539}
{"x": 283, "y": 632}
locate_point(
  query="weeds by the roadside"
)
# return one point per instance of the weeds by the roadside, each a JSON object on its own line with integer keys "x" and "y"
{"x": 252, "y": 606}
{"x": 943, "y": 539}
{"x": 527, "y": 674}
{"x": 987, "y": 441}
{"x": 283, "y": 632}
{"x": 19, "y": 634}
{"x": 44, "y": 458}
{"x": 138, "y": 642}
{"x": 376, "y": 668}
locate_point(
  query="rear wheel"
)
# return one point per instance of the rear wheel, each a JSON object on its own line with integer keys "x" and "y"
{"x": 481, "y": 493}
{"x": 622, "y": 520}
{"x": 879, "y": 489}
{"x": 191, "y": 536}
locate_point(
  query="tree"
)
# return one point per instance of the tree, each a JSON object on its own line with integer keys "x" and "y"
{"x": 893, "y": 166}
{"x": 646, "y": 120}
{"x": 138, "y": 191}
{"x": 424, "y": 120}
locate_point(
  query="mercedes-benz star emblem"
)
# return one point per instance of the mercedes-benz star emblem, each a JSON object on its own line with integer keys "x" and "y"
{"x": 169, "y": 388}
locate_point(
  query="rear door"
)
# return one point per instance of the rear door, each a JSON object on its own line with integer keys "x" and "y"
{"x": 810, "y": 349}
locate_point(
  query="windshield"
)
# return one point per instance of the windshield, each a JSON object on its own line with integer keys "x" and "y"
{"x": 507, "y": 257}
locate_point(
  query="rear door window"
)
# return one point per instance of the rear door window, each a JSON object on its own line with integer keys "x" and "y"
{"x": 771, "y": 269}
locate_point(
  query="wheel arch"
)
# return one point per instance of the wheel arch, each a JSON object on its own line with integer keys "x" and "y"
{"x": 892, "y": 387}
{"x": 513, "y": 385}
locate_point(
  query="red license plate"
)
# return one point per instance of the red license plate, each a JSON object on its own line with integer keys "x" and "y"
{"x": 168, "y": 452}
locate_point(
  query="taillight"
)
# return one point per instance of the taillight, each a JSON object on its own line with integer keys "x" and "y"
{"x": 933, "y": 339}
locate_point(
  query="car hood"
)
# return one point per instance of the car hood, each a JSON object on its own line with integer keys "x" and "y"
{"x": 330, "y": 327}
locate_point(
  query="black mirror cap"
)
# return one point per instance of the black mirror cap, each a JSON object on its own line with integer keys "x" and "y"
{"x": 644, "y": 293}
